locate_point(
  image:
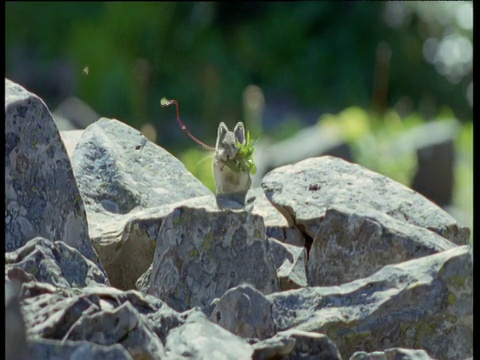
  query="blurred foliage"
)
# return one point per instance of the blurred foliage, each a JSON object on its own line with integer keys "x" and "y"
{"x": 322, "y": 56}
{"x": 463, "y": 190}
{"x": 199, "y": 163}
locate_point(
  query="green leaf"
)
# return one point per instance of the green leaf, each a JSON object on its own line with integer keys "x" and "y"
{"x": 244, "y": 160}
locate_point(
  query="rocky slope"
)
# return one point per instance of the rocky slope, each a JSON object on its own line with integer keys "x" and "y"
{"x": 115, "y": 251}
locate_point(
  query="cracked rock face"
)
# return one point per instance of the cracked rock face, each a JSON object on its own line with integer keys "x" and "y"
{"x": 394, "y": 353}
{"x": 304, "y": 191}
{"x": 121, "y": 175}
{"x": 244, "y": 311}
{"x": 41, "y": 194}
{"x": 54, "y": 263}
{"x": 103, "y": 316}
{"x": 202, "y": 253}
{"x": 423, "y": 303}
{"x": 296, "y": 344}
{"x": 352, "y": 244}
{"x": 199, "y": 338}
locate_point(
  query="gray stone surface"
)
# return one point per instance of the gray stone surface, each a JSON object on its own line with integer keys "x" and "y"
{"x": 244, "y": 311}
{"x": 103, "y": 315}
{"x": 305, "y": 190}
{"x": 424, "y": 303}
{"x": 55, "y": 263}
{"x": 392, "y": 354}
{"x": 119, "y": 173}
{"x": 131, "y": 249}
{"x": 15, "y": 337}
{"x": 200, "y": 339}
{"x": 201, "y": 253}
{"x": 41, "y": 194}
{"x": 353, "y": 244}
{"x": 121, "y": 325}
{"x": 143, "y": 282}
{"x": 290, "y": 262}
{"x": 45, "y": 349}
{"x": 296, "y": 344}
{"x": 277, "y": 226}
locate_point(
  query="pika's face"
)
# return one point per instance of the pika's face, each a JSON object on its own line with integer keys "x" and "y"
{"x": 226, "y": 146}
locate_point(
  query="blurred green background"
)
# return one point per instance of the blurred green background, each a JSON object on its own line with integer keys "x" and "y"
{"x": 371, "y": 70}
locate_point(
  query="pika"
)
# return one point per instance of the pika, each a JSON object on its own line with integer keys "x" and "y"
{"x": 231, "y": 169}
{"x": 228, "y": 181}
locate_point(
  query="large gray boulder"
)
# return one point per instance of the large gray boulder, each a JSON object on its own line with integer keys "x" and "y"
{"x": 296, "y": 344}
{"x": 200, "y": 339}
{"x": 41, "y": 194}
{"x": 290, "y": 262}
{"x": 15, "y": 336}
{"x": 203, "y": 252}
{"x": 353, "y": 244}
{"x": 304, "y": 191}
{"x": 392, "y": 354}
{"x": 244, "y": 311}
{"x": 121, "y": 173}
{"x": 46, "y": 349}
{"x": 124, "y": 326}
{"x": 139, "y": 233}
{"x": 55, "y": 263}
{"x": 100, "y": 315}
{"x": 423, "y": 303}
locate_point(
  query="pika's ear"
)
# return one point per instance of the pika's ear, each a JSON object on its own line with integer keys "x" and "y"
{"x": 222, "y": 131}
{"x": 239, "y": 131}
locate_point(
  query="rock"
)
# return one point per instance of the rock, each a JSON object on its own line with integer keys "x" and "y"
{"x": 201, "y": 253}
{"x": 290, "y": 262}
{"x": 423, "y": 303}
{"x": 15, "y": 338}
{"x": 158, "y": 315}
{"x": 32, "y": 288}
{"x": 353, "y": 244}
{"x": 75, "y": 350}
{"x": 139, "y": 322}
{"x": 200, "y": 339}
{"x": 138, "y": 236}
{"x": 125, "y": 326}
{"x": 304, "y": 191}
{"x": 392, "y": 354}
{"x": 276, "y": 347}
{"x": 55, "y": 263}
{"x": 41, "y": 194}
{"x": 50, "y": 315}
{"x": 143, "y": 281}
{"x": 275, "y": 223}
{"x": 120, "y": 173}
{"x": 244, "y": 311}
{"x": 296, "y": 344}
{"x": 277, "y": 226}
